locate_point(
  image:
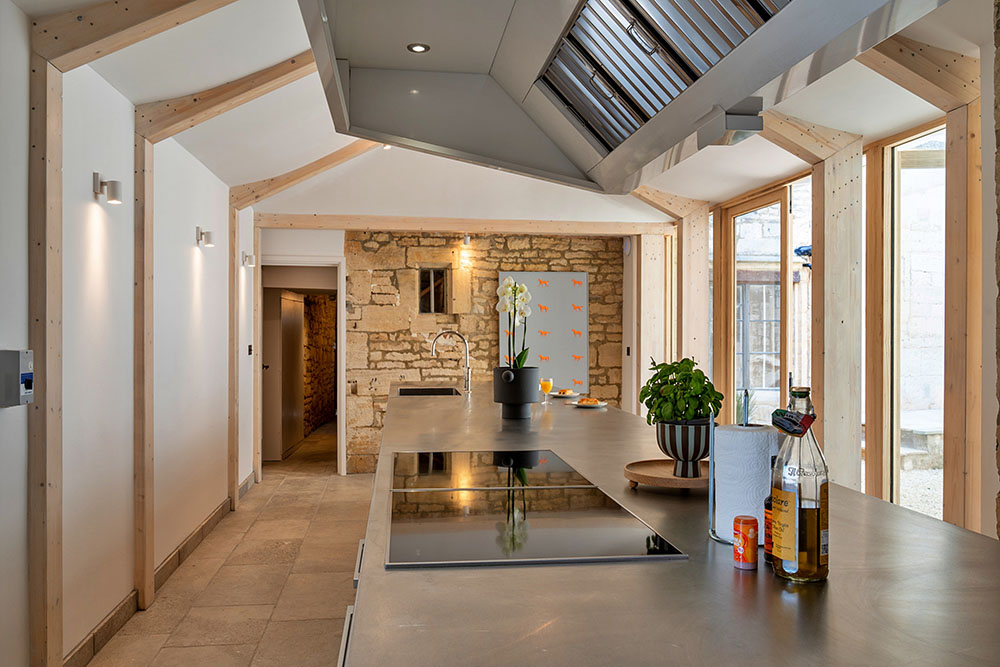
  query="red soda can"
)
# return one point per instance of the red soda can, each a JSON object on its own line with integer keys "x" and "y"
{"x": 745, "y": 542}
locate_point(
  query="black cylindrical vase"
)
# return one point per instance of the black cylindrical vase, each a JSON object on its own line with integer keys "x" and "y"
{"x": 515, "y": 389}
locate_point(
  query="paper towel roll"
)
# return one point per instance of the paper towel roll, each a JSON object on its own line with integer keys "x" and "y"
{"x": 743, "y": 474}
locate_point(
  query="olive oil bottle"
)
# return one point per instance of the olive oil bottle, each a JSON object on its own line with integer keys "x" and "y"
{"x": 800, "y": 515}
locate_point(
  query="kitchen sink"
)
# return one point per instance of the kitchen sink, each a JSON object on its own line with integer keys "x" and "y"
{"x": 429, "y": 391}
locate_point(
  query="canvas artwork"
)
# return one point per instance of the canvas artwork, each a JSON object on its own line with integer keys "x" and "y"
{"x": 557, "y": 329}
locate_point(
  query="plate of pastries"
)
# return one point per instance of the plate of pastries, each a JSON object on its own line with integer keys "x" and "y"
{"x": 589, "y": 403}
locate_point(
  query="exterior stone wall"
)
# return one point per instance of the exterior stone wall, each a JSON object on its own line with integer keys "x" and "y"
{"x": 996, "y": 158}
{"x": 388, "y": 340}
{"x": 319, "y": 349}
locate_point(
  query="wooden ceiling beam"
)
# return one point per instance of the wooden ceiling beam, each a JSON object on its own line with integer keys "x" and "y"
{"x": 807, "y": 141}
{"x": 946, "y": 79}
{"x": 456, "y": 225}
{"x": 673, "y": 205}
{"x": 76, "y": 37}
{"x": 161, "y": 120}
{"x": 241, "y": 196}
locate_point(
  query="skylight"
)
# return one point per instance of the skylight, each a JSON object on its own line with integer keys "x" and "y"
{"x": 622, "y": 61}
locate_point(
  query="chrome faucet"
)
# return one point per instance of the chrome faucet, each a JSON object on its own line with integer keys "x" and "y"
{"x": 468, "y": 368}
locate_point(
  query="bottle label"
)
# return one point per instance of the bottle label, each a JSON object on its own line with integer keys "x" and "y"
{"x": 768, "y": 539}
{"x": 824, "y": 524}
{"x": 792, "y": 423}
{"x": 783, "y": 515}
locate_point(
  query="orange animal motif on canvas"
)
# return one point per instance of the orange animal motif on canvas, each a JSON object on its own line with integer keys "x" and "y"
{"x": 543, "y": 309}
{"x": 542, "y": 358}
{"x": 507, "y": 331}
{"x": 577, "y": 357}
{"x": 543, "y": 333}
{"x": 506, "y": 358}
{"x": 576, "y": 382}
{"x": 543, "y": 283}
{"x": 576, "y": 333}
{"x": 576, "y": 307}
{"x": 577, "y": 283}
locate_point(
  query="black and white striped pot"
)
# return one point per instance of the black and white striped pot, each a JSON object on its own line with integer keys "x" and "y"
{"x": 686, "y": 443}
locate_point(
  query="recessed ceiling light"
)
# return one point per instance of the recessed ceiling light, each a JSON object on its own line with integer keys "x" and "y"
{"x": 417, "y": 48}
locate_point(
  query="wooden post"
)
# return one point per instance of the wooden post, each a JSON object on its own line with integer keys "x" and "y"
{"x": 963, "y": 318}
{"x": 234, "y": 370}
{"x": 45, "y": 474}
{"x": 142, "y": 405}
{"x": 724, "y": 313}
{"x": 693, "y": 282}
{"x": 258, "y": 295}
{"x": 650, "y": 304}
{"x": 878, "y": 326}
{"x": 836, "y": 352}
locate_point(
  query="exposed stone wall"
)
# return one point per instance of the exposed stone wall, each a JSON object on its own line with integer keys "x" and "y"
{"x": 389, "y": 341}
{"x": 320, "y": 376}
{"x": 996, "y": 158}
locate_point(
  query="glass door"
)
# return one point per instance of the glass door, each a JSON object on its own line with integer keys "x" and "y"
{"x": 918, "y": 298}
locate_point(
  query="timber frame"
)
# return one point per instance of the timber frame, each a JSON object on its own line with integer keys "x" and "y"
{"x": 62, "y": 42}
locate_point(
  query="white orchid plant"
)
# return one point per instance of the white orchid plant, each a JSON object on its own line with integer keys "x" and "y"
{"x": 514, "y": 300}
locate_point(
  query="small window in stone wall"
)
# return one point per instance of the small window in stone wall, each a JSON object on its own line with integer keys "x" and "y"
{"x": 433, "y": 290}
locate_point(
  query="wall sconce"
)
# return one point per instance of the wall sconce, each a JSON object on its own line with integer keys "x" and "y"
{"x": 202, "y": 236}
{"x": 111, "y": 189}
{"x": 249, "y": 260}
{"x": 468, "y": 241}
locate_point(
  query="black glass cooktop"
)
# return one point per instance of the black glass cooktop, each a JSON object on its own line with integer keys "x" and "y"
{"x": 507, "y": 508}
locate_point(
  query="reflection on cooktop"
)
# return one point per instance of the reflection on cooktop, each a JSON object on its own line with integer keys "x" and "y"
{"x": 507, "y": 508}
{"x": 482, "y": 470}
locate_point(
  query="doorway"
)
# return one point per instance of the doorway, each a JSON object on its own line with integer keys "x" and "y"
{"x": 299, "y": 370}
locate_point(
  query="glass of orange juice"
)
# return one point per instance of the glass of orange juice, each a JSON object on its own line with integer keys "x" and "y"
{"x": 545, "y": 384}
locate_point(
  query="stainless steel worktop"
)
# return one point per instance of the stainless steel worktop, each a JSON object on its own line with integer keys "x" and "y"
{"x": 903, "y": 588}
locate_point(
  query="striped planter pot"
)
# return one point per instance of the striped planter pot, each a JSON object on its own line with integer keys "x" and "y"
{"x": 686, "y": 443}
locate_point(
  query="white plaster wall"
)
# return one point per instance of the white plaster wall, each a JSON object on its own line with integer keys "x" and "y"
{"x": 990, "y": 478}
{"x": 245, "y": 276}
{"x": 14, "y": 56}
{"x": 97, "y": 354}
{"x": 407, "y": 183}
{"x": 190, "y": 297}
{"x": 278, "y": 246}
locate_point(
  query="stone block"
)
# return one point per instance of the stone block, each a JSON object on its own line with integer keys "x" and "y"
{"x": 359, "y": 412}
{"x": 423, "y": 256}
{"x": 518, "y": 242}
{"x": 386, "y": 256}
{"x": 383, "y": 318}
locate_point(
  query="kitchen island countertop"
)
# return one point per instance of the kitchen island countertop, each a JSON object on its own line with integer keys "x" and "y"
{"x": 903, "y": 587}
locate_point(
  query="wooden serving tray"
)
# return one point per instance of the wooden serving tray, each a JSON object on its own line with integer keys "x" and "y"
{"x": 660, "y": 472}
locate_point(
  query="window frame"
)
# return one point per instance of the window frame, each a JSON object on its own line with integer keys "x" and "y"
{"x": 446, "y": 277}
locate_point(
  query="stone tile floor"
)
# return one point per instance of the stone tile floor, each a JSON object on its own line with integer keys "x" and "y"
{"x": 271, "y": 584}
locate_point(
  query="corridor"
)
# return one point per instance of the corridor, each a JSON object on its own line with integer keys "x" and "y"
{"x": 271, "y": 584}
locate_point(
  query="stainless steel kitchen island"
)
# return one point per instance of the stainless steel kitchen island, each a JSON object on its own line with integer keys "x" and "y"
{"x": 903, "y": 587}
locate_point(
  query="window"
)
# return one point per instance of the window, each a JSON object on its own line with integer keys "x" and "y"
{"x": 758, "y": 350}
{"x": 433, "y": 291}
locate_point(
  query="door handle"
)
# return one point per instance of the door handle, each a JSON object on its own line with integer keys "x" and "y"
{"x": 265, "y": 367}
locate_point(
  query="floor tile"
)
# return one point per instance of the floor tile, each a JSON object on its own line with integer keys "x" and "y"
{"x": 217, "y": 544}
{"x": 316, "y": 595}
{"x": 191, "y": 578}
{"x": 205, "y": 626}
{"x": 129, "y": 651}
{"x": 264, "y": 552}
{"x": 325, "y": 557}
{"x": 162, "y": 617}
{"x": 335, "y": 532}
{"x": 278, "y": 530}
{"x": 245, "y": 585}
{"x": 313, "y": 643}
{"x": 213, "y": 656}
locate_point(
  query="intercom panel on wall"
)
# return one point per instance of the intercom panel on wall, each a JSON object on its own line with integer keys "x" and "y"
{"x": 17, "y": 377}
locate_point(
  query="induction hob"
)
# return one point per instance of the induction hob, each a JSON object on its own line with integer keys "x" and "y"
{"x": 507, "y": 508}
